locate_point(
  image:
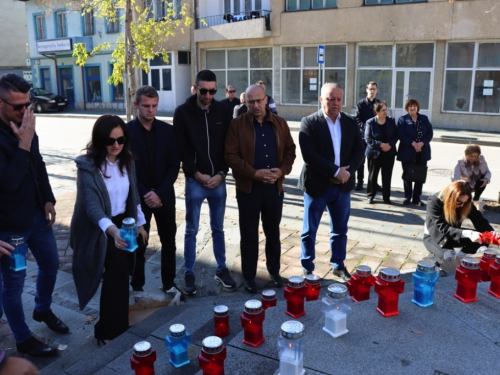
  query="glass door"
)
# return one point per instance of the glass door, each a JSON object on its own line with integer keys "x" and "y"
{"x": 412, "y": 84}
{"x": 66, "y": 85}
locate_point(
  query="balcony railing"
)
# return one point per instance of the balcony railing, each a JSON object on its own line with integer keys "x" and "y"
{"x": 222, "y": 19}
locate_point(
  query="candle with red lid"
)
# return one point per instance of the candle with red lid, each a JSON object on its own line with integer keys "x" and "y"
{"x": 388, "y": 286}
{"x": 495, "y": 278}
{"x": 360, "y": 284}
{"x": 294, "y": 295}
{"x": 221, "y": 320}
{"x": 268, "y": 298}
{"x": 488, "y": 238}
{"x": 486, "y": 261}
{"x": 212, "y": 356}
{"x": 251, "y": 320}
{"x": 143, "y": 359}
{"x": 313, "y": 287}
{"x": 468, "y": 274}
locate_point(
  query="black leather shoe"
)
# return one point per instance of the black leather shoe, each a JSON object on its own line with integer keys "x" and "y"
{"x": 342, "y": 273}
{"x": 406, "y": 202}
{"x": 35, "y": 348}
{"x": 369, "y": 200}
{"x": 277, "y": 281}
{"x": 251, "y": 287}
{"x": 387, "y": 201}
{"x": 419, "y": 204}
{"x": 52, "y": 321}
{"x": 379, "y": 188}
{"x": 359, "y": 186}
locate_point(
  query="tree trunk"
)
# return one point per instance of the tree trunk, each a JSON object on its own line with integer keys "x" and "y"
{"x": 128, "y": 67}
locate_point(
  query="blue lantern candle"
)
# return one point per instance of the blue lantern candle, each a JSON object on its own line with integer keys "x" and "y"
{"x": 177, "y": 342}
{"x": 128, "y": 232}
{"x": 18, "y": 257}
{"x": 424, "y": 280}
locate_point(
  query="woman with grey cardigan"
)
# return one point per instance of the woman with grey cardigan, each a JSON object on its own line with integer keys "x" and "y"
{"x": 106, "y": 194}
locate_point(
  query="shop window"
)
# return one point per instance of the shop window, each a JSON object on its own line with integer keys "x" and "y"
{"x": 93, "y": 83}
{"x": 184, "y": 57}
{"x": 45, "y": 79}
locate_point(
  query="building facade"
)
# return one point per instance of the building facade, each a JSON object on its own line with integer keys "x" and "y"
{"x": 444, "y": 53}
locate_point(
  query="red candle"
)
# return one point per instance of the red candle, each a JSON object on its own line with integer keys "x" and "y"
{"x": 221, "y": 320}
{"x": 388, "y": 286}
{"x": 251, "y": 320}
{"x": 468, "y": 274}
{"x": 212, "y": 356}
{"x": 313, "y": 287}
{"x": 495, "y": 278}
{"x": 143, "y": 359}
{"x": 268, "y": 298}
{"x": 294, "y": 295}
{"x": 486, "y": 261}
{"x": 360, "y": 284}
{"x": 488, "y": 238}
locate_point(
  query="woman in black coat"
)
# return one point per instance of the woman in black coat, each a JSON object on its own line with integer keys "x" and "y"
{"x": 415, "y": 134}
{"x": 381, "y": 136}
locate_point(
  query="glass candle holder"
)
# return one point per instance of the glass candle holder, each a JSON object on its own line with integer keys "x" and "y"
{"x": 18, "y": 256}
{"x": 335, "y": 306}
{"x": 128, "y": 232}
{"x": 313, "y": 287}
{"x": 212, "y": 356}
{"x": 143, "y": 359}
{"x": 294, "y": 295}
{"x": 268, "y": 299}
{"x": 252, "y": 320}
{"x": 424, "y": 282}
{"x": 487, "y": 260}
{"x": 360, "y": 284}
{"x": 291, "y": 348}
{"x": 388, "y": 286}
{"x": 494, "y": 289}
{"x": 177, "y": 342}
{"x": 221, "y": 320}
{"x": 468, "y": 274}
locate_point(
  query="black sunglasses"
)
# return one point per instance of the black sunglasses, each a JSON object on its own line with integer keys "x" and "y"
{"x": 205, "y": 91}
{"x": 111, "y": 141}
{"x": 16, "y": 107}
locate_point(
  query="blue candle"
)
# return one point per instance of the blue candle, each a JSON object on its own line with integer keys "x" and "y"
{"x": 177, "y": 342}
{"x": 424, "y": 281}
{"x": 18, "y": 257}
{"x": 128, "y": 232}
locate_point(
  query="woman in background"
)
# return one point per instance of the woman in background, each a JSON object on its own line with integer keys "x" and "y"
{"x": 473, "y": 169}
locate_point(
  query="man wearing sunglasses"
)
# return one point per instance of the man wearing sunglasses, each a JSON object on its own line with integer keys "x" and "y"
{"x": 231, "y": 100}
{"x": 27, "y": 210}
{"x": 201, "y": 125}
{"x": 157, "y": 167}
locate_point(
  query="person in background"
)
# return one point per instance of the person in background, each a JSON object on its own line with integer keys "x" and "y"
{"x": 231, "y": 100}
{"x": 193, "y": 89}
{"x": 415, "y": 134}
{"x": 473, "y": 169}
{"x": 270, "y": 101}
{"x": 242, "y": 108}
{"x": 106, "y": 194}
{"x": 381, "y": 136}
{"x": 446, "y": 211}
{"x": 364, "y": 112}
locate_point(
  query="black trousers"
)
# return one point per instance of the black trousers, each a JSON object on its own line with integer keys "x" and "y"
{"x": 263, "y": 200}
{"x": 468, "y": 247}
{"x": 413, "y": 190}
{"x": 167, "y": 228}
{"x": 113, "y": 308}
{"x": 360, "y": 173}
{"x": 385, "y": 163}
{"x": 478, "y": 190}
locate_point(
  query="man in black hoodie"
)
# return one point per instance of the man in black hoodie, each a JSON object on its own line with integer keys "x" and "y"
{"x": 201, "y": 125}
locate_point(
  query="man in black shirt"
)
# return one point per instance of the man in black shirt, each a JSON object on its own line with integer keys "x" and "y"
{"x": 231, "y": 100}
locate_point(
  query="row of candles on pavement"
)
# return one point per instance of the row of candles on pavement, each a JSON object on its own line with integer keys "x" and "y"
{"x": 335, "y": 305}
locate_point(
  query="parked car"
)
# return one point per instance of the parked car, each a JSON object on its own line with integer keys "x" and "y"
{"x": 43, "y": 100}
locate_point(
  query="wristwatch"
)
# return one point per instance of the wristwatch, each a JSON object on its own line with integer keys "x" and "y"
{"x": 222, "y": 174}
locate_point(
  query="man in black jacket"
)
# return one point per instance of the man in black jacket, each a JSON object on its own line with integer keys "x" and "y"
{"x": 201, "y": 125}
{"x": 231, "y": 100}
{"x": 157, "y": 167}
{"x": 364, "y": 112}
{"x": 26, "y": 210}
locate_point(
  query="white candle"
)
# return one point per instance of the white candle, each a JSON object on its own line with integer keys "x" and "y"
{"x": 335, "y": 323}
{"x": 291, "y": 362}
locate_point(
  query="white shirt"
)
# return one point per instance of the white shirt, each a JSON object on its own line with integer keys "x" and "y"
{"x": 336, "y": 134}
{"x": 118, "y": 187}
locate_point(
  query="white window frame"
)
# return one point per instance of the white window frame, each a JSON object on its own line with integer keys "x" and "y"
{"x": 89, "y": 22}
{"x": 41, "y": 32}
{"x": 62, "y": 20}
{"x": 297, "y": 5}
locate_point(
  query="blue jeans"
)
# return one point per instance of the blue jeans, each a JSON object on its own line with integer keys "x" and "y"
{"x": 338, "y": 204}
{"x": 42, "y": 243}
{"x": 195, "y": 195}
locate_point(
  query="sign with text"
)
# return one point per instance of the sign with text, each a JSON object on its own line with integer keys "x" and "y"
{"x": 55, "y": 45}
{"x": 321, "y": 54}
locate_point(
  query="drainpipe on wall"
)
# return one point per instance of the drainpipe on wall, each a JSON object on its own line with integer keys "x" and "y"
{"x": 83, "y": 89}
{"x": 57, "y": 75}
{"x": 195, "y": 49}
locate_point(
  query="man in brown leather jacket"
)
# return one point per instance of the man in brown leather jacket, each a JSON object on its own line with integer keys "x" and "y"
{"x": 260, "y": 151}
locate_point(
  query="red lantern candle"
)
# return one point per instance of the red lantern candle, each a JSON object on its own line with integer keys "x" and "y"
{"x": 294, "y": 295}
{"x": 468, "y": 274}
{"x": 268, "y": 298}
{"x": 495, "y": 278}
{"x": 486, "y": 261}
{"x": 143, "y": 359}
{"x": 221, "y": 320}
{"x": 360, "y": 284}
{"x": 488, "y": 238}
{"x": 251, "y": 320}
{"x": 313, "y": 287}
{"x": 388, "y": 286}
{"x": 212, "y": 356}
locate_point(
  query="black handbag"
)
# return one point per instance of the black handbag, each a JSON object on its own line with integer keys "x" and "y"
{"x": 415, "y": 172}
